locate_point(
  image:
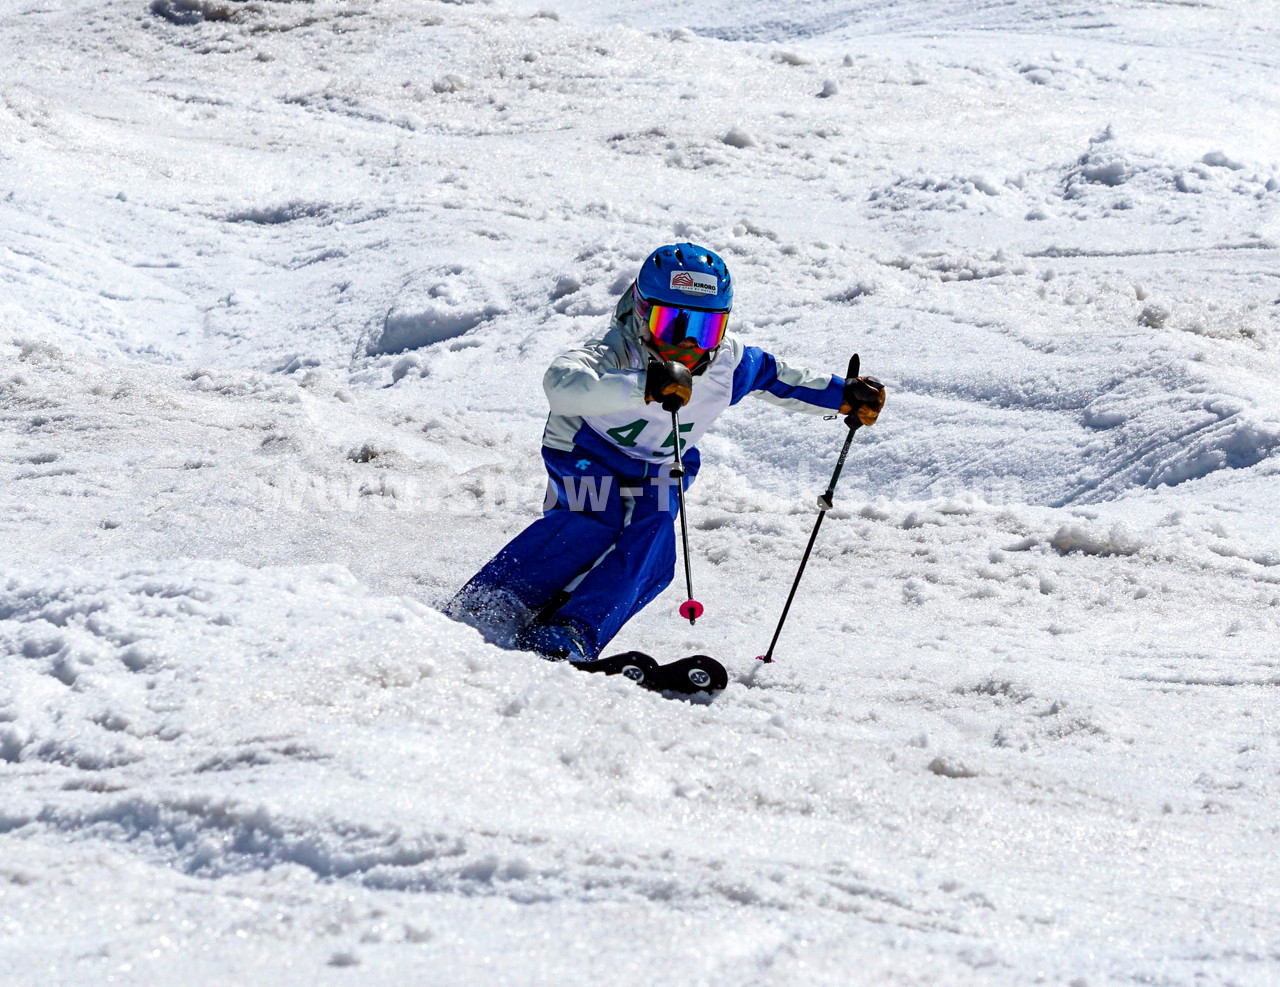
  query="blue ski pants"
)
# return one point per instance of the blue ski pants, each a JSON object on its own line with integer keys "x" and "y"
{"x": 607, "y": 543}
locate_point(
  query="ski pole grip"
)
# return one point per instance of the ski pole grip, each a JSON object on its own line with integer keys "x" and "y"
{"x": 851, "y": 419}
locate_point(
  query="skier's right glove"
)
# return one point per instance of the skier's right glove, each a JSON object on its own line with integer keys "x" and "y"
{"x": 670, "y": 384}
{"x": 864, "y": 396}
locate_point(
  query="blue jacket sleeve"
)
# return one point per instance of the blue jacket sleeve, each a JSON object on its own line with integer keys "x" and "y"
{"x": 794, "y": 388}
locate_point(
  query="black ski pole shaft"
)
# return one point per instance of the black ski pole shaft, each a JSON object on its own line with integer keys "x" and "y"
{"x": 691, "y": 609}
{"x": 825, "y": 503}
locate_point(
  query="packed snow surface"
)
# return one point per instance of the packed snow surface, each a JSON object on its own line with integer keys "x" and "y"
{"x": 278, "y": 283}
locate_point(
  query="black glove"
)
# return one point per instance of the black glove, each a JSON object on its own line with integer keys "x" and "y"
{"x": 670, "y": 384}
{"x": 865, "y": 397}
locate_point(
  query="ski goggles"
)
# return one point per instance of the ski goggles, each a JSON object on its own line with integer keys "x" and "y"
{"x": 673, "y": 326}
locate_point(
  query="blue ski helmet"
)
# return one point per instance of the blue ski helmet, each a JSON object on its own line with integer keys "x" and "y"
{"x": 686, "y": 276}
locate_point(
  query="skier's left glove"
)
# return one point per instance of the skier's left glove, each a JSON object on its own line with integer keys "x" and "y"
{"x": 865, "y": 397}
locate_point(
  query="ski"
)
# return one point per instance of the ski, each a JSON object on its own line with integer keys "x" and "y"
{"x": 697, "y": 673}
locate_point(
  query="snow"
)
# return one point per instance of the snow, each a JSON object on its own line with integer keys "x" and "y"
{"x": 277, "y": 287}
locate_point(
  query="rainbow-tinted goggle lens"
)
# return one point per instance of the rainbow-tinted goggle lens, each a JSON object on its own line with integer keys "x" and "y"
{"x": 673, "y": 326}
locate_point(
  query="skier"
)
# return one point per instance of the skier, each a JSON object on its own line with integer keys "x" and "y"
{"x": 605, "y": 545}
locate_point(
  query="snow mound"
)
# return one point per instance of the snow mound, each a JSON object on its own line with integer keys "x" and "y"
{"x": 957, "y": 267}
{"x": 286, "y": 212}
{"x": 146, "y": 667}
{"x": 1091, "y": 540}
{"x": 1108, "y": 165}
{"x": 1185, "y": 430}
{"x": 947, "y": 193}
{"x": 187, "y": 12}
{"x": 435, "y": 307}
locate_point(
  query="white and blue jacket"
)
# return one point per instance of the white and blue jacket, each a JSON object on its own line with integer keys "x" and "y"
{"x": 596, "y": 392}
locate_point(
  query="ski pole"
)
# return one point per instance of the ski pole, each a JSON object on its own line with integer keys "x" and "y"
{"x": 824, "y": 504}
{"x": 690, "y": 609}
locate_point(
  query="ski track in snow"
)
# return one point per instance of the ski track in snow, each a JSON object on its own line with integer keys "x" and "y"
{"x": 278, "y": 282}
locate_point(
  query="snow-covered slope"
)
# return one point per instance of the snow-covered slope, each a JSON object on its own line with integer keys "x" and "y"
{"x": 278, "y": 282}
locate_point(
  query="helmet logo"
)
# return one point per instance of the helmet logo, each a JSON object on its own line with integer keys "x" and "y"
{"x": 694, "y": 283}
